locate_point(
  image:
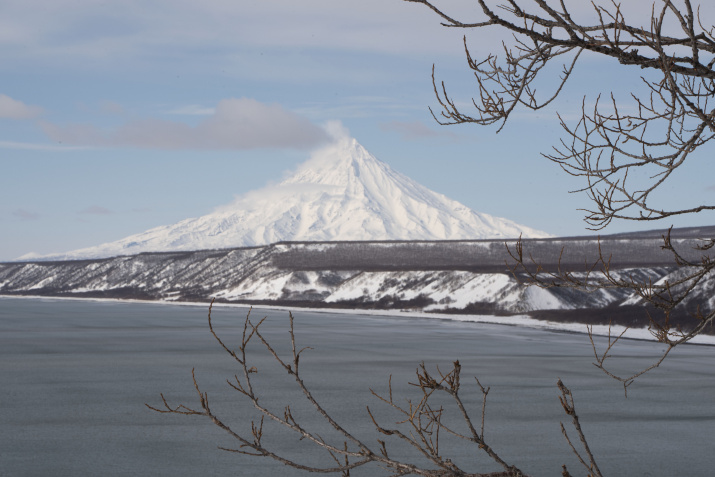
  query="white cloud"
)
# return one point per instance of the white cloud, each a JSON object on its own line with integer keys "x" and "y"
{"x": 103, "y": 29}
{"x": 237, "y": 124}
{"x": 86, "y": 28}
{"x": 124, "y": 33}
{"x": 13, "y": 109}
{"x": 337, "y": 130}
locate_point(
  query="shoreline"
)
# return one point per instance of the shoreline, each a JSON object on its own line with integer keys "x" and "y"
{"x": 639, "y": 334}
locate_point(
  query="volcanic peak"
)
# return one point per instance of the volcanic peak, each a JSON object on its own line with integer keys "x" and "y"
{"x": 341, "y": 193}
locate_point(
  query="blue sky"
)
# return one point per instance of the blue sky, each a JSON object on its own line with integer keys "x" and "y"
{"x": 117, "y": 116}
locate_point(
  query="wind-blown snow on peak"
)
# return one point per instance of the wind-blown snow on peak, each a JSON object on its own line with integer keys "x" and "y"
{"x": 341, "y": 193}
{"x": 342, "y": 164}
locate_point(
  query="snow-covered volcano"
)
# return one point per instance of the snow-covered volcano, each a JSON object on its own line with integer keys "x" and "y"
{"x": 342, "y": 193}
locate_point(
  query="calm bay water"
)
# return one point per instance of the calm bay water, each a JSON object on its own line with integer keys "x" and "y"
{"x": 74, "y": 377}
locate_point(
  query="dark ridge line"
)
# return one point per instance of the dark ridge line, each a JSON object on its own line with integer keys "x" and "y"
{"x": 677, "y": 233}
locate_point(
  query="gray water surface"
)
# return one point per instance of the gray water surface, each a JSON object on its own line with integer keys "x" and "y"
{"x": 74, "y": 377}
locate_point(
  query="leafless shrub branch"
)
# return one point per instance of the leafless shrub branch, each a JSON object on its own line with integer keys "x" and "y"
{"x": 420, "y": 427}
{"x": 665, "y": 296}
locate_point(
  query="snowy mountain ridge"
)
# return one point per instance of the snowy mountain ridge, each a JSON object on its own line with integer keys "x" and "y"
{"x": 342, "y": 193}
{"x": 440, "y": 276}
{"x": 472, "y": 276}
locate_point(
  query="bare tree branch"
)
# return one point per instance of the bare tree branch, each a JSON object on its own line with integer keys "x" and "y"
{"x": 623, "y": 153}
{"x": 421, "y": 425}
{"x": 672, "y": 121}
